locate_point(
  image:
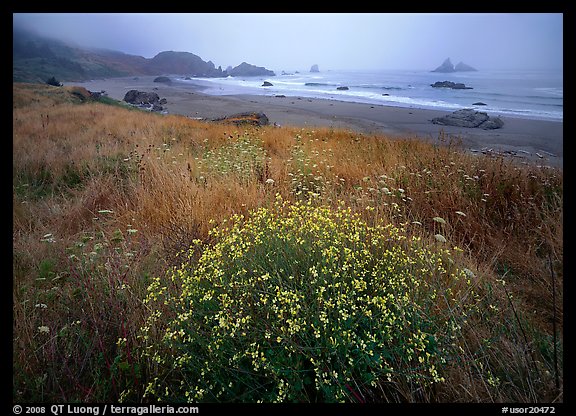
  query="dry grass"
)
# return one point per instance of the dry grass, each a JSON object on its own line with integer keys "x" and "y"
{"x": 89, "y": 174}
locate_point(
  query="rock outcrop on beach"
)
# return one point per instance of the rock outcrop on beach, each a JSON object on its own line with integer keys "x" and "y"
{"x": 314, "y": 68}
{"x": 448, "y": 67}
{"x": 248, "y": 70}
{"x": 469, "y": 118}
{"x": 147, "y": 100}
{"x": 253, "y": 118}
{"x": 164, "y": 80}
{"x": 450, "y": 84}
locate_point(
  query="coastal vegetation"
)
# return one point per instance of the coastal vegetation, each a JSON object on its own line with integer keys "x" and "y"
{"x": 157, "y": 257}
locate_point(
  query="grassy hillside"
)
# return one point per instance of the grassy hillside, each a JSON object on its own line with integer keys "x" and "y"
{"x": 36, "y": 59}
{"x": 159, "y": 257}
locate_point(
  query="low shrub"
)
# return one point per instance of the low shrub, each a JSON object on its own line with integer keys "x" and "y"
{"x": 302, "y": 303}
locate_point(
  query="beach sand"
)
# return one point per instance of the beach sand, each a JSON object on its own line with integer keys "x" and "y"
{"x": 539, "y": 141}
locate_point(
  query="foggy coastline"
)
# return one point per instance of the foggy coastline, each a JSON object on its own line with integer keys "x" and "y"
{"x": 528, "y": 136}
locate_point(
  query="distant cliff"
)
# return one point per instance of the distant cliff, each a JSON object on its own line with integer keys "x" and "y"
{"x": 36, "y": 59}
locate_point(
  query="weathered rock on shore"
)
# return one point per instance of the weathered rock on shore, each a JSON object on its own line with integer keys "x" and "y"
{"x": 253, "y": 118}
{"x": 469, "y": 118}
{"x": 164, "y": 80}
{"x": 450, "y": 84}
{"x": 147, "y": 100}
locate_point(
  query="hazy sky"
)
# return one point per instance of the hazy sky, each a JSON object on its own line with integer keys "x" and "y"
{"x": 285, "y": 41}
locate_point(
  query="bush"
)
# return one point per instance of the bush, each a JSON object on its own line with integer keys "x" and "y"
{"x": 305, "y": 304}
{"x": 54, "y": 81}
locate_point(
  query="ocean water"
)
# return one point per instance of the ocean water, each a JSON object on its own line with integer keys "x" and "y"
{"x": 525, "y": 94}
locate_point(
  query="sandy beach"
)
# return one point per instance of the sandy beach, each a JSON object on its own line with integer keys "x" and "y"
{"x": 540, "y": 141}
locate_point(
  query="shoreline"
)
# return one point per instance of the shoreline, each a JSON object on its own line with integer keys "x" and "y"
{"x": 535, "y": 140}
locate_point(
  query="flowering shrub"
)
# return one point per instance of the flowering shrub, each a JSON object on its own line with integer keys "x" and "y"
{"x": 243, "y": 157}
{"x": 304, "y": 304}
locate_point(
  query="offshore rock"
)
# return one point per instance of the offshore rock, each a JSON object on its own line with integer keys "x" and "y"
{"x": 446, "y": 66}
{"x": 314, "y": 68}
{"x": 462, "y": 67}
{"x": 450, "y": 84}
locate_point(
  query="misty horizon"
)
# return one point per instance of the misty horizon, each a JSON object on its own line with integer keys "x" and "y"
{"x": 343, "y": 41}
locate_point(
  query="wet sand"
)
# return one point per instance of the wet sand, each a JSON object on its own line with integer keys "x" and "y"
{"x": 540, "y": 141}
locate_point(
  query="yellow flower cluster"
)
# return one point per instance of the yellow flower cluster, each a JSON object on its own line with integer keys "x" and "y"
{"x": 294, "y": 302}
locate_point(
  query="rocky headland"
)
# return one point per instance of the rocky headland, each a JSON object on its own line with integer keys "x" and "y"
{"x": 248, "y": 70}
{"x": 37, "y": 58}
